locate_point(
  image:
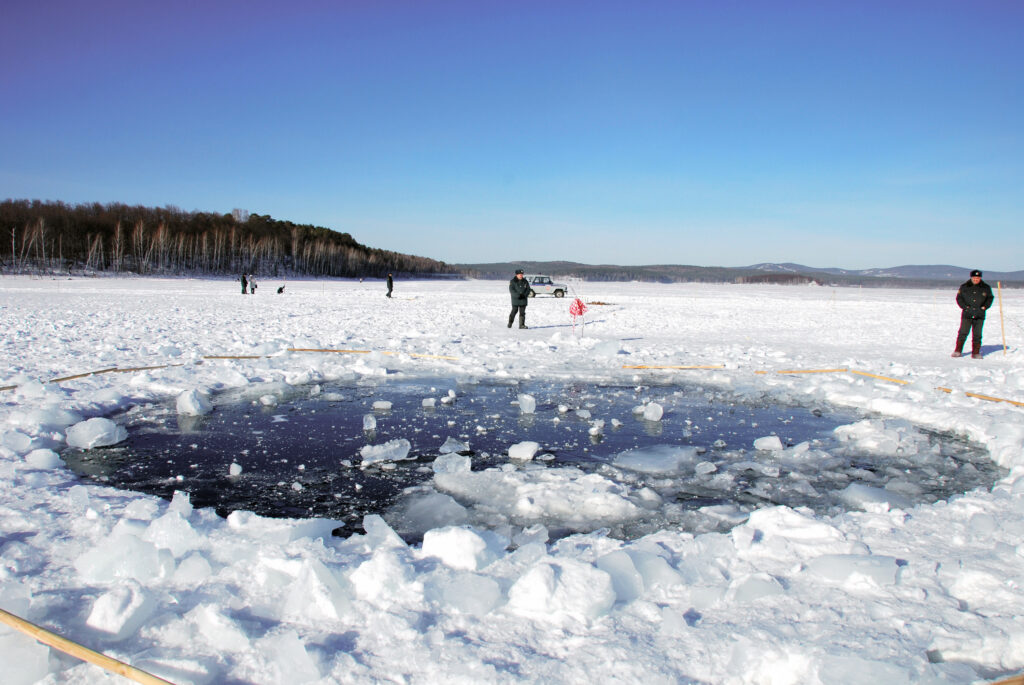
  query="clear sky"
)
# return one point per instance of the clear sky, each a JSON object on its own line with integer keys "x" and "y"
{"x": 841, "y": 133}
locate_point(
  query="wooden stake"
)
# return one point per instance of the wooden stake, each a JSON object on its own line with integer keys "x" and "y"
{"x": 82, "y": 375}
{"x": 875, "y": 375}
{"x": 385, "y": 352}
{"x": 805, "y": 371}
{"x": 146, "y": 368}
{"x": 999, "y": 287}
{"x": 433, "y": 356}
{"x": 993, "y": 399}
{"x": 648, "y": 366}
{"x": 79, "y": 652}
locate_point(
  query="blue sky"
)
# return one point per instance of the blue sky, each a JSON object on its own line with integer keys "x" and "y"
{"x": 848, "y": 134}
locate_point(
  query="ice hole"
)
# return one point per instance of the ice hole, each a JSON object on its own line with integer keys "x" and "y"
{"x": 601, "y": 462}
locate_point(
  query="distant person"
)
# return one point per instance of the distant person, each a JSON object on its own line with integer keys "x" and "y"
{"x": 252, "y": 286}
{"x": 391, "y": 285}
{"x": 973, "y": 297}
{"x": 519, "y": 289}
{"x": 245, "y": 285}
{"x": 280, "y": 290}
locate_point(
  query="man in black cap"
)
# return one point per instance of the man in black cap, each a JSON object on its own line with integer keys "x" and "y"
{"x": 519, "y": 289}
{"x": 973, "y": 297}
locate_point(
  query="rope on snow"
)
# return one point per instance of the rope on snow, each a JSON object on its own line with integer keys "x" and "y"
{"x": 988, "y": 398}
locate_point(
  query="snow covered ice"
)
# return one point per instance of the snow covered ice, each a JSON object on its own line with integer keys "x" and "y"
{"x": 95, "y": 432}
{"x": 392, "y": 450}
{"x": 926, "y": 592}
{"x": 527, "y": 403}
{"x": 193, "y": 403}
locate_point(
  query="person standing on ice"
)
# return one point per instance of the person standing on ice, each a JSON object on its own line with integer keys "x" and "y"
{"x": 245, "y": 285}
{"x": 973, "y": 297}
{"x": 391, "y": 285}
{"x": 519, "y": 289}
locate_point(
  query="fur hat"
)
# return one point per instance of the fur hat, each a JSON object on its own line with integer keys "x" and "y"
{"x": 975, "y": 273}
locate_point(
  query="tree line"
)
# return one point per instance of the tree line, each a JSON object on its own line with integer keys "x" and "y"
{"x": 55, "y": 237}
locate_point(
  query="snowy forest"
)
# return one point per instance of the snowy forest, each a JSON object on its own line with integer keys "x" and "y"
{"x": 55, "y": 237}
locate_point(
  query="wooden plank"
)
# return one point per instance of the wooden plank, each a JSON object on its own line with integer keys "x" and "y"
{"x": 80, "y": 652}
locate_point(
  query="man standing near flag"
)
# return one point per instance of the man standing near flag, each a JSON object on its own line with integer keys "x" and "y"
{"x": 519, "y": 289}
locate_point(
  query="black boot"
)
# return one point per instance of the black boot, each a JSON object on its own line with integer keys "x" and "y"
{"x": 958, "y": 348}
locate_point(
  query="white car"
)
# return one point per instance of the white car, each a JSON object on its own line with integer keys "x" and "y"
{"x": 543, "y": 285}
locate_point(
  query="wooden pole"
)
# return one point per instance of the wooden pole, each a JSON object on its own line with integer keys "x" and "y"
{"x": 433, "y": 356}
{"x": 79, "y": 652}
{"x": 384, "y": 352}
{"x": 145, "y": 368}
{"x": 999, "y": 287}
{"x": 82, "y": 375}
{"x": 785, "y": 371}
{"x": 648, "y": 366}
{"x": 317, "y": 349}
{"x": 875, "y": 375}
{"x": 994, "y": 399}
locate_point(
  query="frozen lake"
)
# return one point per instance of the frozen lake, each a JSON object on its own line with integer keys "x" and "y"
{"x": 883, "y": 510}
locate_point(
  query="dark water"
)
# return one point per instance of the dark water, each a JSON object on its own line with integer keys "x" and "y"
{"x": 301, "y": 457}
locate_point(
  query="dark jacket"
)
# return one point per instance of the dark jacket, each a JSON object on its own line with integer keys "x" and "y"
{"x": 974, "y": 299}
{"x": 519, "y": 289}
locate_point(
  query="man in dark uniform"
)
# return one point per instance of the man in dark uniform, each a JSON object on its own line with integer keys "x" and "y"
{"x": 519, "y": 289}
{"x": 391, "y": 285}
{"x": 245, "y": 284}
{"x": 973, "y": 297}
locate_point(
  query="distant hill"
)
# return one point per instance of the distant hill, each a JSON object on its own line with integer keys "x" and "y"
{"x": 937, "y": 272}
{"x": 666, "y": 273}
{"x": 941, "y": 276}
